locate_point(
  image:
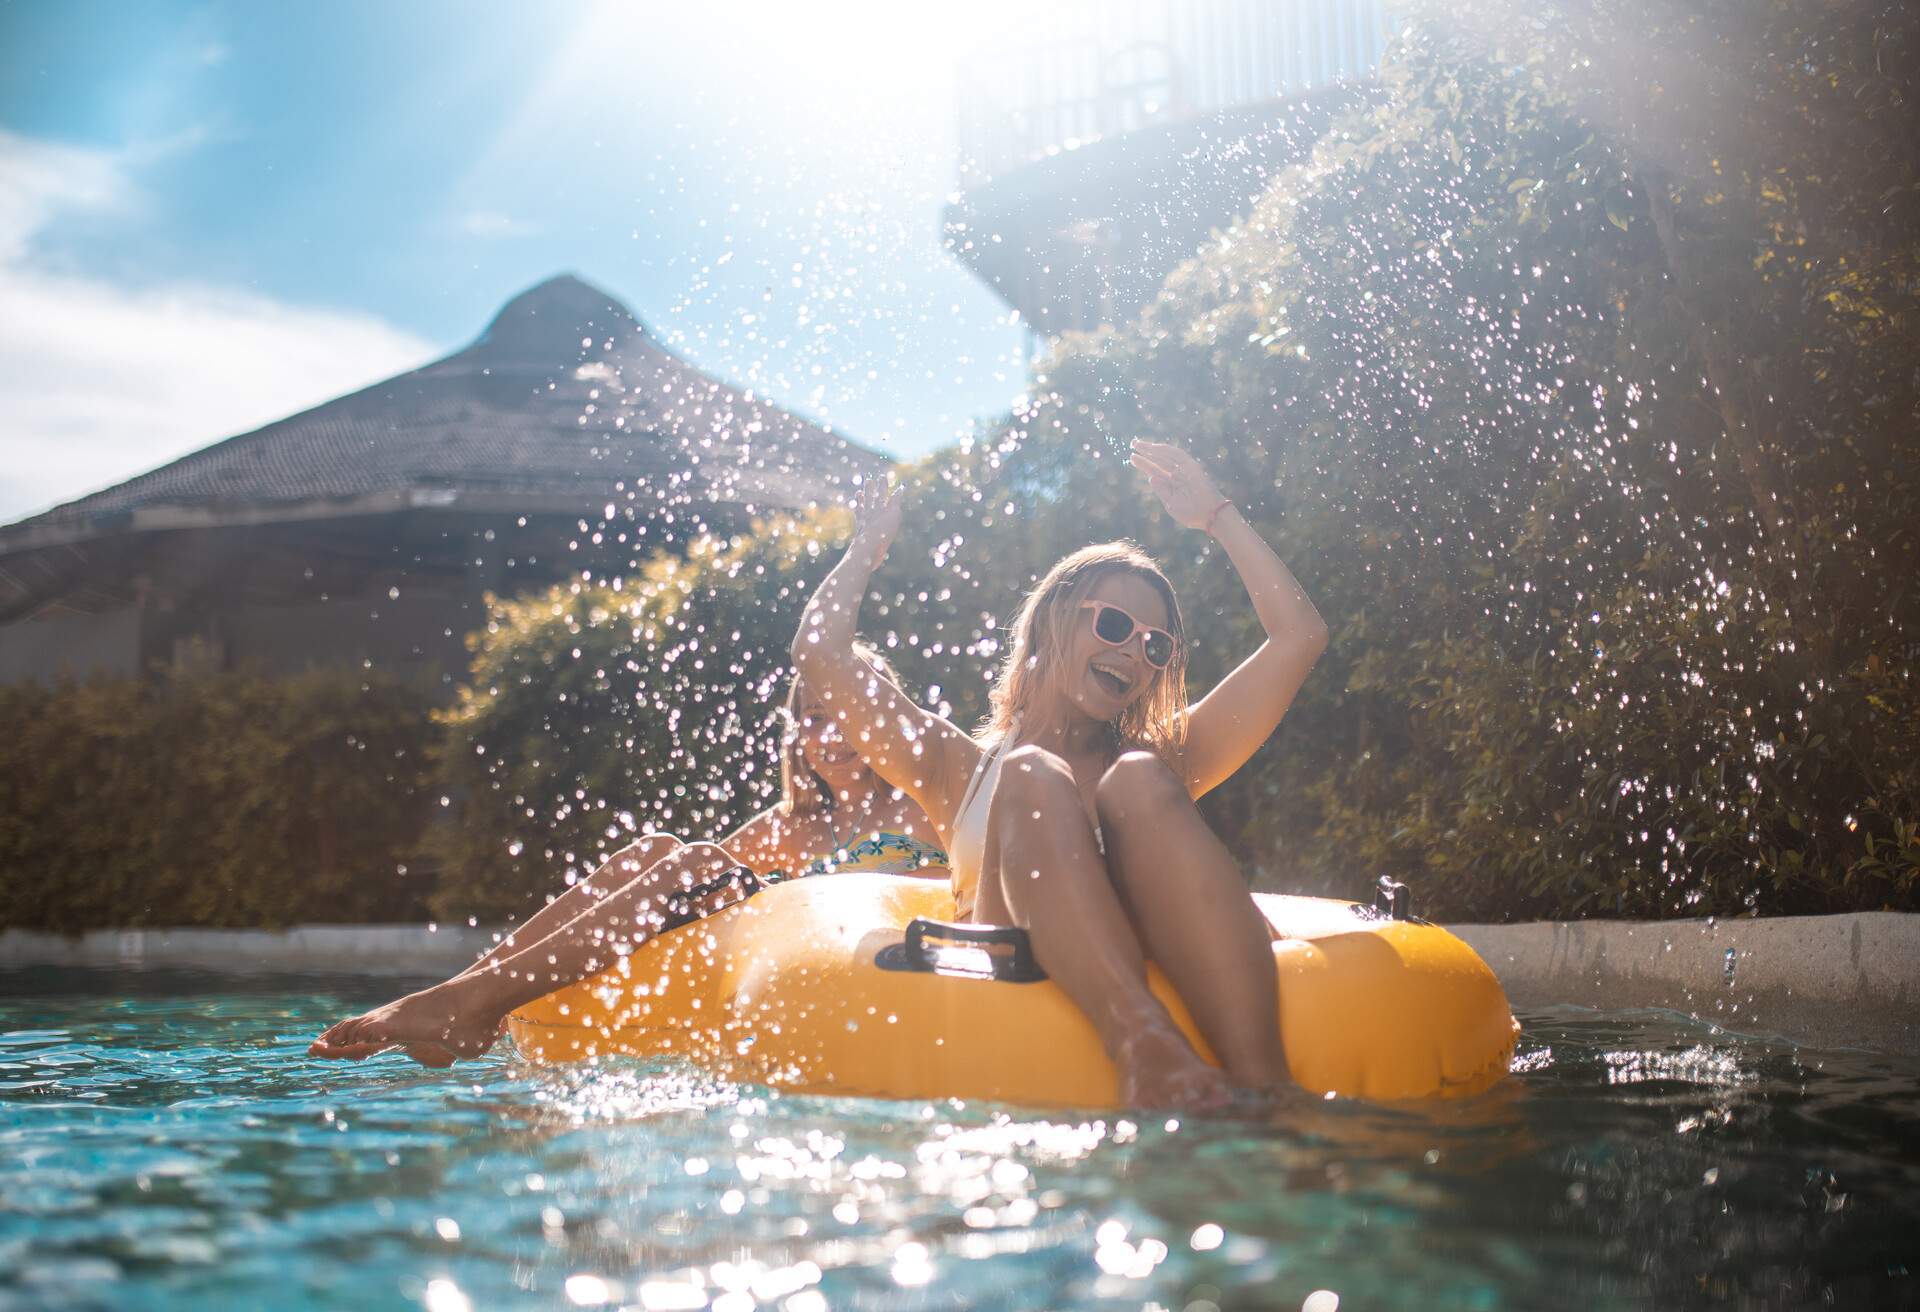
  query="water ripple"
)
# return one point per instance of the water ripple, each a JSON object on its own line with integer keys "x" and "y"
{"x": 166, "y": 1142}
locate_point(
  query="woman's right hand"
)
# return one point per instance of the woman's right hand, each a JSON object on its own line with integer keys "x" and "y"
{"x": 877, "y": 508}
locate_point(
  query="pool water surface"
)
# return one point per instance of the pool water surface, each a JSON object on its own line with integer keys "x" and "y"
{"x": 165, "y": 1142}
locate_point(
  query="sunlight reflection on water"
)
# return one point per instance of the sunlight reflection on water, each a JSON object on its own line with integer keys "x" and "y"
{"x": 168, "y": 1143}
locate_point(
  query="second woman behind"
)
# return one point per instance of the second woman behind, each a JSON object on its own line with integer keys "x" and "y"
{"x": 832, "y": 812}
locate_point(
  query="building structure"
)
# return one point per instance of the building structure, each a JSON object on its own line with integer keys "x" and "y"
{"x": 365, "y": 531}
{"x": 1102, "y": 141}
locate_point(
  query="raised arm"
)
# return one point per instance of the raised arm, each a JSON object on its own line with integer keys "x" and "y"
{"x": 1227, "y": 726}
{"x": 927, "y": 757}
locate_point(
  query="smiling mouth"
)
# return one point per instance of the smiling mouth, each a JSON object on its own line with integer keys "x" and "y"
{"x": 1111, "y": 681}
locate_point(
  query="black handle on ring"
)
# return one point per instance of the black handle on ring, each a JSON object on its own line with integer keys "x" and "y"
{"x": 681, "y": 905}
{"x": 1008, "y": 951}
{"x": 1393, "y": 899}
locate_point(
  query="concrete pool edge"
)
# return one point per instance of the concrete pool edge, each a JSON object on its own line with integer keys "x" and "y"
{"x": 406, "y": 950}
{"x": 1828, "y": 980}
{"x": 1841, "y": 980}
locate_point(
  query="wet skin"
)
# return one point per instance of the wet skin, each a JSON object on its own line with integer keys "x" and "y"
{"x": 1155, "y": 1063}
{"x": 1164, "y": 886}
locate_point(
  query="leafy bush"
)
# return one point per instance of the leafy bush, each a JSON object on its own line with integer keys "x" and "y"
{"x": 211, "y": 799}
{"x": 1597, "y": 649}
{"x": 598, "y": 711}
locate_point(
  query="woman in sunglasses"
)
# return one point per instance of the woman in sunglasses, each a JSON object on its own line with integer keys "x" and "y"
{"x": 1073, "y": 815}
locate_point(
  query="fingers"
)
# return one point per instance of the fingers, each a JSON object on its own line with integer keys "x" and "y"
{"x": 1151, "y": 468}
{"x": 876, "y": 499}
{"x": 1173, "y": 472}
{"x": 1163, "y": 481}
{"x": 876, "y": 489}
{"x": 1170, "y": 458}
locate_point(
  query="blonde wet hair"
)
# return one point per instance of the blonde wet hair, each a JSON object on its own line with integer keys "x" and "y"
{"x": 802, "y": 792}
{"x": 1044, "y": 629}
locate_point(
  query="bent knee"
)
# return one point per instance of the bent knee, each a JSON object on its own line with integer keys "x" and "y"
{"x": 705, "y": 854}
{"x": 1036, "y": 765}
{"x": 1137, "y": 778}
{"x": 690, "y": 865}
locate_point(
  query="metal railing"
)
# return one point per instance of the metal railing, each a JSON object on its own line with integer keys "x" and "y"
{"x": 1089, "y": 69}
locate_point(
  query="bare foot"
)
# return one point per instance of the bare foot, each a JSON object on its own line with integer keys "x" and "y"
{"x": 427, "y": 1054}
{"x": 1159, "y": 1068}
{"x": 435, "y": 1056}
{"x": 435, "y": 1027}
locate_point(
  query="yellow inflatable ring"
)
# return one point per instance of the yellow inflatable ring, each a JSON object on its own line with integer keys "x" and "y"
{"x": 816, "y": 986}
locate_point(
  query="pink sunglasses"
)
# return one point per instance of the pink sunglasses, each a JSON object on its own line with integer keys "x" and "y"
{"x": 1116, "y": 628}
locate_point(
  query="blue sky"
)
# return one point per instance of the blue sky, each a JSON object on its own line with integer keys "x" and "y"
{"x": 215, "y": 214}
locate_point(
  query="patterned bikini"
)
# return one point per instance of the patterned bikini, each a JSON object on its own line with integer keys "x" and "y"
{"x": 891, "y": 852}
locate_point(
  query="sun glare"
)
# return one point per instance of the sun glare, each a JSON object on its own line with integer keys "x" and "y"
{"x": 852, "y": 52}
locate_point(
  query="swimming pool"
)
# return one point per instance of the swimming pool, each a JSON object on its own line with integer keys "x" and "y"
{"x": 166, "y": 1143}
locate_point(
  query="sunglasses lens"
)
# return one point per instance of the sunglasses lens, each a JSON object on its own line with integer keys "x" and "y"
{"x": 1112, "y": 625}
{"x": 1115, "y": 626}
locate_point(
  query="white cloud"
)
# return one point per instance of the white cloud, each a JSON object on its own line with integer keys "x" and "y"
{"x": 39, "y": 180}
{"x": 100, "y": 381}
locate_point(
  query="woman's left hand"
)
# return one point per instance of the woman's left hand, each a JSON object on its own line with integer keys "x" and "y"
{"x": 1183, "y": 487}
{"x": 877, "y": 509}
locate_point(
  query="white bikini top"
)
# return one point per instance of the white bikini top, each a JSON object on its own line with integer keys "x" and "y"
{"x": 969, "y": 845}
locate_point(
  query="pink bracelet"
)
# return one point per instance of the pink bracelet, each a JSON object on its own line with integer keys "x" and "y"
{"x": 1214, "y": 514}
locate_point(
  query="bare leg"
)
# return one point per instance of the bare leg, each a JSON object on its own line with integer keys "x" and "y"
{"x": 1200, "y": 924}
{"x": 614, "y": 874}
{"x": 1045, "y": 874}
{"x": 462, "y": 1017}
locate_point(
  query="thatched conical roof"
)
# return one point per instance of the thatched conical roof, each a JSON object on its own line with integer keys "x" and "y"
{"x": 563, "y": 397}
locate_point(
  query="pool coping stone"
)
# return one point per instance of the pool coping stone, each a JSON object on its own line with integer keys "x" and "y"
{"x": 1843, "y": 980}
{"x": 1829, "y": 981}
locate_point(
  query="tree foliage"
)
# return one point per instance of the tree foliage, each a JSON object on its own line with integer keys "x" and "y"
{"x": 1597, "y": 452}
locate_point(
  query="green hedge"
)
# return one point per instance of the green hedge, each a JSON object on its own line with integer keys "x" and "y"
{"x": 212, "y": 799}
